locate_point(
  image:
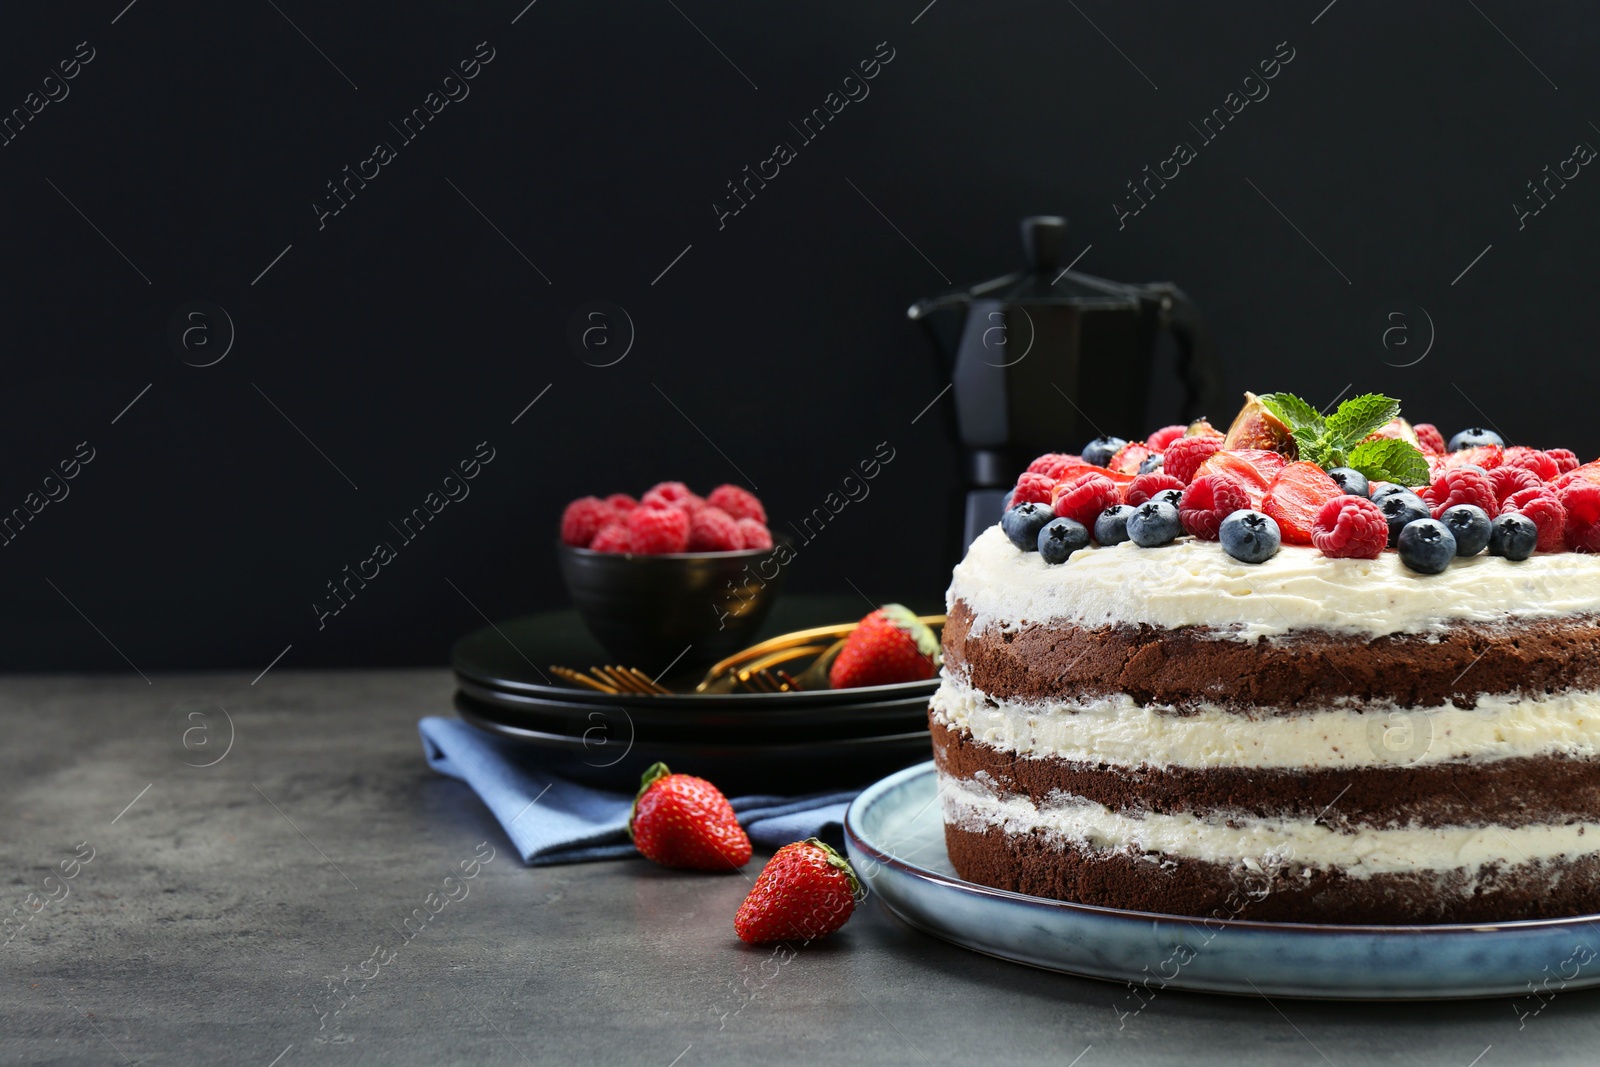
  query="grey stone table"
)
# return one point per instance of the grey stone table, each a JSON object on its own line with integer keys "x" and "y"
{"x": 208, "y": 907}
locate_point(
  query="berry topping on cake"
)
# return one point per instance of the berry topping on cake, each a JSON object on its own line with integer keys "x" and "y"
{"x": 1461, "y": 485}
{"x": 1053, "y": 464}
{"x": 890, "y": 645}
{"x": 1154, "y": 524}
{"x": 1513, "y": 536}
{"x": 1184, "y": 456}
{"x": 1476, "y": 437}
{"x": 1565, "y": 459}
{"x": 1401, "y": 508}
{"x": 1352, "y": 527}
{"x": 1111, "y": 525}
{"x": 1469, "y": 525}
{"x": 739, "y": 503}
{"x": 1207, "y": 501}
{"x": 1295, "y": 498}
{"x": 713, "y": 530}
{"x": 1543, "y": 507}
{"x": 1023, "y": 522}
{"x": 1507, "y": 480}
{"x": 659, "y": 529}
{"x": 583, "y": 518}
{"x": 806, "y": 891}
{"x": 1085, "y": 497}
{"x": 1165, "y": 436}
{"x": 1032, "y": 488}
{"x": 1351, "y": 481}
{"x": 679, "y": 820}
{"x": 1485, "y": 457}
{"x": 1152, "y": 462}
{"x": 1147, "y": 486}
{"x": 1582, "y": 503}
{"x": 1100, "y": 451}
{"x": 1130, "y": 458}
{"x": 1540, "y": 463}
{"x": 1429, "y": 438}
{"x": 1060, "y": 538}
{"x": 1426, "y": 546}
{"x": 1249, "y": 536}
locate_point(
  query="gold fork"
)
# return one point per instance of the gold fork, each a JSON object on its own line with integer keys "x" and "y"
{"x": 613, "y": 680}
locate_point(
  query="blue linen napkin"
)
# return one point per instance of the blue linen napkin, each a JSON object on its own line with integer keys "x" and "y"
{"x": 553, "y": 820}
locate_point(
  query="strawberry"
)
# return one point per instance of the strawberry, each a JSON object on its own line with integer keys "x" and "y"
{"x": 1582, "y": 503}
{"x": 679, "y": 820}
{"x": 1589, "y": 472}
{"x": 1077, "y": 468}
{"x": 1252, "y": 468}
{"x": 1486, "y": 456}
{"x": 1165, "y": 436}
{"x": 1296, "y": 495}
{"x": 890, "y": 645}
{"x": 806, "y": 891}
{"x": 1129, "y": 457}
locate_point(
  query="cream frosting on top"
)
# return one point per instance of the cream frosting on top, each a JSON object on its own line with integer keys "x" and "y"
{"x": 1196, "y": 583}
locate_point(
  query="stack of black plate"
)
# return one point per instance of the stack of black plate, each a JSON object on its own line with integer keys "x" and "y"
{"x": 745, "y": 742}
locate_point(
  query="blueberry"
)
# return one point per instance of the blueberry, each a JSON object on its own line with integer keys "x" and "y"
{"x": 1111, "y": 525}
{"x": 1401, "y": 508}
{"x": 1060, "y": 538}
{"x": 1513, "y": 536}
{"x": 1153, "y": 523}
{"x": 1169, "y": 496}
{"x": 1426, "y": 546}
{"x": 1476, "y": 437}
{"x": 1385, "y": 489}
{"x": 1353, "y": 482}
{"x": 1023, "y": 523}
{"x": 1249, "y": 536}
{"x": 1101, "y": 449}
{"x": 1470, "y": 526}
{"x": 1152, "y": 463}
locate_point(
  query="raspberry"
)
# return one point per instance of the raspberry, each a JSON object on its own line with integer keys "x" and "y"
{"x": 1209, "y": 500}
{"x": 1146, "y": 486}
{"x": 1350, "y": 527}
{"x": 753, "y": 534}
{"x": 1509, "y": 479}
{"x": 1582, "y": 502}
{"x": 1566, "y": 460}
{"x": 1085, "y": 497}
{"x": 1461, "y": 486}
{"x": 659, "y": 529}
{"x": 1429, "y": 437}
{"x": 671, "y": 494}
{"x": 621, "y": 503}
{"x": 613, "y": 538}
{"x": 1486, "y": 456}
{"x": 713, "y": 530}
{"x": 1032, "y": 488}
{"x": 1052, "y": 464}
{"x": 1184, "y": 456}
{"x": 1534, "y": 460}
{"x": 584, "y": 518}
{"x": 1165, "y": 436}
{"x": 1542, "y": 506}
{"x": 738, "y": 503}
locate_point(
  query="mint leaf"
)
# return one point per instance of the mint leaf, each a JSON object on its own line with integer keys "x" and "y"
{"x": 1293, "y": 412}
{"x": 1389, "y": 459}
{"x": 1360, "y": 416}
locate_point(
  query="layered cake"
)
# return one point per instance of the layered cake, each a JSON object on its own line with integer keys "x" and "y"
{"x": 1323, "y": 705}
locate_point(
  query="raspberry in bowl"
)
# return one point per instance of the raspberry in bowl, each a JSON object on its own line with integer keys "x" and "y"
{"x": 671, "y": 578}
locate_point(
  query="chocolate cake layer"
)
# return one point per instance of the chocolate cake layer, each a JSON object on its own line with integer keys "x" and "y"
{"x": 1311, "y": 669}
{"x": 1509, "y": 792}
{"x": 1039, "y": 865}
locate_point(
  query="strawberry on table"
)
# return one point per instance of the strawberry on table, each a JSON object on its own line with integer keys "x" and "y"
{"x": 806, "y": 891}
{"x": 890, "y": 645}
{"x": 679, "y": 820}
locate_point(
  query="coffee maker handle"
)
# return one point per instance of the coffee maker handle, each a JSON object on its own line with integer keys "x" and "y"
{"x": 1198, "y": 368}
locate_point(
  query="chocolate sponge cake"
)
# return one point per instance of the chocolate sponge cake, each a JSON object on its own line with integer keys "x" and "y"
{"x": 1305, "y": 739}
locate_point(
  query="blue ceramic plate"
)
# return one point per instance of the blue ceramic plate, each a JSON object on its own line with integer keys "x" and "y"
{"x": 895, "y": 835}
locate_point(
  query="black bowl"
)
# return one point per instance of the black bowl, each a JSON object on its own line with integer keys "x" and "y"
{"x": 680, "y": 610}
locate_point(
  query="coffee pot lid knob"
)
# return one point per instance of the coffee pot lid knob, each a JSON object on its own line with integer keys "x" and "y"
{"x": 1043, "y": 237}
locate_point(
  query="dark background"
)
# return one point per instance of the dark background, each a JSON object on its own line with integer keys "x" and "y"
{"x": 408, "y": 329}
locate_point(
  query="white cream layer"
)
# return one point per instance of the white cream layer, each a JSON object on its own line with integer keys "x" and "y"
{"x": 1267, "y": 842}
{"x": 1117, "y": 731}
{"x": 1196, "y": 583}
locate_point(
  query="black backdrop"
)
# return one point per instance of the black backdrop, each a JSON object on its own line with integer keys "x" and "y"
{"x": 387, "y": 340}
